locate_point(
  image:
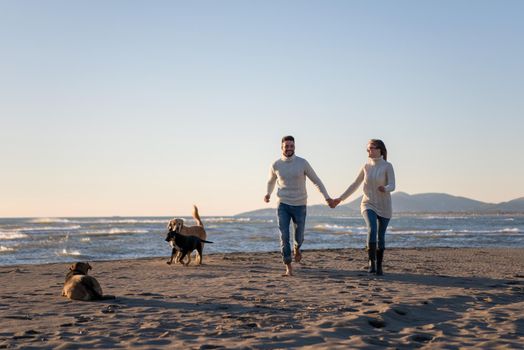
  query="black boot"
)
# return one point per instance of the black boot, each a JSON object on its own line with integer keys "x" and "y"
{"x": 380, "y": 257}
{"x": 371, "y": 258}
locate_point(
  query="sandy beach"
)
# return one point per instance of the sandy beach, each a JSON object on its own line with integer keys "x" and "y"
{"x": 428, "y": 298}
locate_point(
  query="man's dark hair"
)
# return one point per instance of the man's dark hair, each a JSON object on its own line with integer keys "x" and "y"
{"x": 288, "y": 138}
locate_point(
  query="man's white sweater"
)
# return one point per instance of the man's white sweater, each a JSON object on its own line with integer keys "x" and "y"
{"x": 290, "y": 174}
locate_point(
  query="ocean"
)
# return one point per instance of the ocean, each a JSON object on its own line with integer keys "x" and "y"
{"x": 49, "y": 240}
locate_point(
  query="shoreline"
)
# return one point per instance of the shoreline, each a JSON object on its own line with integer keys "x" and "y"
{"x": 428, "y": 297}
{"x": 210, "y": 254}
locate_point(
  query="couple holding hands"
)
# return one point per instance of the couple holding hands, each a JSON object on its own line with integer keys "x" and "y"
{"x": 290, "y": 172}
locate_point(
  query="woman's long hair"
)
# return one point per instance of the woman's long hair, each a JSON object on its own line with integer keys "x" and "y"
{"x": 381, "y": 146}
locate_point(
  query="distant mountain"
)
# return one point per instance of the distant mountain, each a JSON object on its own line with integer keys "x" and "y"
{"x": 412, "y": 203}
{"x": 434, "y": 202}
{"x": 516, "y": 205}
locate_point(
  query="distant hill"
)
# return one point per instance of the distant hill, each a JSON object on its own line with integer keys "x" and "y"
{"x": 412, "y": 203}
{"x": 434, "y": 202}
{"x": 515, "y": 205}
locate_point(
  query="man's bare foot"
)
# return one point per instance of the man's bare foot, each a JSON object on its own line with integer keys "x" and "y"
{"x": 289, "y": 271}
{"x": 298, "y": 255}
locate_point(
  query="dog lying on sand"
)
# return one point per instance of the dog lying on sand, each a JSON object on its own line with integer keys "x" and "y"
{"x": 79, "y": 286}
{"x": 185, "y": 245}
{"x": 177, "y": 225}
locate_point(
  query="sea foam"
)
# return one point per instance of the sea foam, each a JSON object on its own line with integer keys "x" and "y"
{"x": 6, "y": 235}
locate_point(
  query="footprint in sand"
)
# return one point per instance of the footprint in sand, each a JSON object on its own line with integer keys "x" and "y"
{"x": 19, "y": 317}
{"x": 29, "y": 334}
{"x": 83, "y": 319}
{"x": 377, "y": 322}
{"x": 348, "y": 309}
{"x": 400, "y": 311}
{"x": 368, "y": 312}
{"x": 421, "y": 338}
{"x": 376, "y": 341}
{"x": 210, "y": 346}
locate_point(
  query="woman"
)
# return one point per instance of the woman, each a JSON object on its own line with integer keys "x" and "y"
{"x": 379, "y": 180}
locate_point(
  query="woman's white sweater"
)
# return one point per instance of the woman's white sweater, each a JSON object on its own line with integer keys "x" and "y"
{"x": 376, "y": 172}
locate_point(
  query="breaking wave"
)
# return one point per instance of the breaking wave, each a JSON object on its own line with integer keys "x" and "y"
{"x": 114, "y": 231}
{"x": 49, "y": 220}
{"x": 6, "y": 235}
{"x": 68, "y": 252}
{"x": 4, "y": 249}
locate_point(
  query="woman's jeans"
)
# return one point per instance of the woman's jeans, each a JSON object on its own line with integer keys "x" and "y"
{"x": 286, "y": 213}
{"x": 376, "y": 224}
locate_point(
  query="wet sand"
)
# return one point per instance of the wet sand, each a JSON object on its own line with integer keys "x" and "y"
{"x": 428, "y": 298}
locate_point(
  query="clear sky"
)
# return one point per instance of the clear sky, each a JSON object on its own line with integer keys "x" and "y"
{"x": 146, "y": 107}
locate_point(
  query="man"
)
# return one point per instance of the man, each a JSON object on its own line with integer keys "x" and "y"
{"x": 290, "y": 173}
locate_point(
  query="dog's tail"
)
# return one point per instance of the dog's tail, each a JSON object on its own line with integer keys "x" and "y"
{"x": 203, "y": 240}
{"x": 196, "y": 216}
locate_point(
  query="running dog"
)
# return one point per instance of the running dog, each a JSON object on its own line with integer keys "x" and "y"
{"x": 177, "y": 225}
{"x": 185, "y": 246}
{"x": 79, "y": 286}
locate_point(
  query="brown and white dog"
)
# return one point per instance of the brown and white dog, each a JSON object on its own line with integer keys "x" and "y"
{"x": 177, "y": 225}
{"x": 79, "y": 286}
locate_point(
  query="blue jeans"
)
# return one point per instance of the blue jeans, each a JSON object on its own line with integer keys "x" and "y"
{"x": 286, "y": 213}
{"x": 372, "y": 219}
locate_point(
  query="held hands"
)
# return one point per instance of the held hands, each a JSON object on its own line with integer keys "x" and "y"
{"x": 333, "y": 202}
